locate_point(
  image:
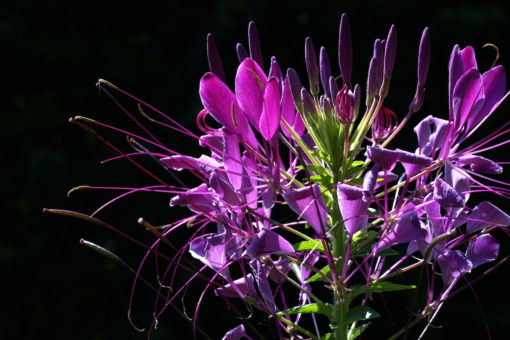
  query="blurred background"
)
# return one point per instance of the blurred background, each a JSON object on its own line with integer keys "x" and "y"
{"x": 54, "y": 51}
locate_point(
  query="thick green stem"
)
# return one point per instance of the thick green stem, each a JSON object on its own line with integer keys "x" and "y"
{"x": 340, "y": 303}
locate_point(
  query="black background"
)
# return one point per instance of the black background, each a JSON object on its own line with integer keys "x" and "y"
{"x": 51, "y": 55}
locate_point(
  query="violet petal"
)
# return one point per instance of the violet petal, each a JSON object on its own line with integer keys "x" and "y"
{"x": 453, "y": 264}
{"x": 238, "y": 288}
{"x": 485, "y": 215}
{"x": 308, "y": 203}
{"x": 267, "y": 242}
{"x": 446, "y": 195}
{"x": 384, "y": 157}
{"x": 236, "y": 334}
{"x": 406, "y": 229}
{"x": 482, "y": 249}
{"x": 353, "y": 208}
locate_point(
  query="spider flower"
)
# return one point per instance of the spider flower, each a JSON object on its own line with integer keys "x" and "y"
{"x": 291, "y": 197}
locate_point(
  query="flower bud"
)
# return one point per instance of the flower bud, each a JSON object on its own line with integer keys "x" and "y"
{"x": 311, "y": 66}
{"x": 254, "y": 44}
{"x": 214, "y": 59}
{"x": 389, "y": 60}
{"x": 275, "y": 71}
{"x": 345, "y": 49}
{"x": 241, "y": 52}
{"x": 344, "y": 105}
{"x": 308, "y": 104}
{"x": 295, "y": 88}
{"x": 325, "y": 70}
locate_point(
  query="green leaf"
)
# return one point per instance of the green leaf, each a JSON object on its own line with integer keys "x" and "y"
{"x": 360, "y": 236}
{"x": 379, "y": 287}
{"x": 388, "y": 252}
{"x": 355, "y": 164}
{"x": 319, "y": 277}
{"x": 317, "y": 308}
{"x": 366, "y": 249}
{"x": 358, "y": 330}
{"x": 309, "y": 245}
{"x": 329, "y": 336}
{"x": 361, "y": 313}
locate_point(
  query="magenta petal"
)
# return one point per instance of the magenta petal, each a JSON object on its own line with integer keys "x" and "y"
{"x": 249, "y": 85}
{"x": 198, "y": 199}
{"x": 308, "y": 203}
{"x": 353, "y": 207}
{"x": 203, "y": 164}
{"x": 494, "y": 84}
{"x": 288, "y": 109}
{"x": 460, "y": 62}
{"x": 446, "y": 195}
{"x": 267, "y": 242}
{"x": 218, "y": 100}
{"x": 483, "y": 249}
{"x": 485, "y": 215}
{"x": 236, "y": 333}
{"x": 407, "y": 229}
{"x": 232, "y": 160}
{"x": 453, "y": 264}
{"x": 467, "y": 98}
{"x": 270, "y": 118}
{"x": 468, "y": 58}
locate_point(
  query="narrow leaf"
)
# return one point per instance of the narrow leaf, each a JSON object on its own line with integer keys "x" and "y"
{"x": 361, "y": 313}
{"x": 308, "y": 245}
{"x": 380, "y": 287}
{"x": 325, "y": 309}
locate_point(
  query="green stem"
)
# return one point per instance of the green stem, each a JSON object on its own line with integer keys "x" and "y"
{"x": 340, "y": 303}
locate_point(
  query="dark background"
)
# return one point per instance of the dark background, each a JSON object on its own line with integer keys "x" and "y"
{"x": 52, "y": 54}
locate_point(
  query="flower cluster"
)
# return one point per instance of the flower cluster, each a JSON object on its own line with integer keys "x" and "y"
{"x": 299, "y": 192}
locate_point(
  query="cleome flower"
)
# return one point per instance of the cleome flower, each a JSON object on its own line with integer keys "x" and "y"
{"x": 294, "y": 198}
